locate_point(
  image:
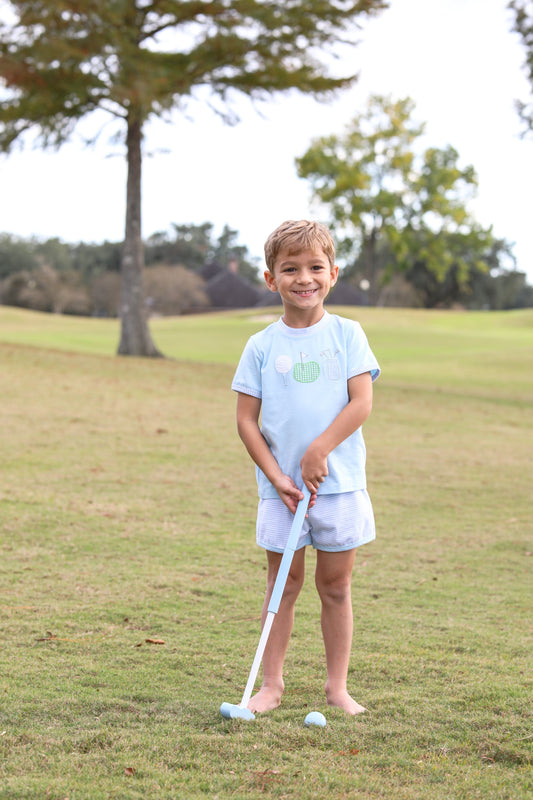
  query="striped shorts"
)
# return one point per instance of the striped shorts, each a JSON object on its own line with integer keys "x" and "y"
{"x": 337, "y": 522}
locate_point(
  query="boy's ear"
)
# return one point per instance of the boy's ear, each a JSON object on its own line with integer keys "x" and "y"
{"x": 270, "y": 281}
{"x": 334, "y": 274}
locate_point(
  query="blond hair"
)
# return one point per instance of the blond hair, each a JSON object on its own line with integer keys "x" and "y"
{"x": 295, "y": 236}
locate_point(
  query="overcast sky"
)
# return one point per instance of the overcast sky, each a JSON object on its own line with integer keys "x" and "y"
{"x": 456, "y": 59}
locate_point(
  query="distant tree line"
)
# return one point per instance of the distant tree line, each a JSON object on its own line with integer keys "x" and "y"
{"x": 56, "y": 276}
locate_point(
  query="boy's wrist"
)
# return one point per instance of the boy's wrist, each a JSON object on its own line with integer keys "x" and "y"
{"x": 276, "y": 479}
{"x": 317, "y": 449}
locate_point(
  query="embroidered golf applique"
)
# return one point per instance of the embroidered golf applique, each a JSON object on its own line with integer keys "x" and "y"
{"x": 331, "y": 365}
{"x": 283, "y": 365}
{"x": 306, "y": 371}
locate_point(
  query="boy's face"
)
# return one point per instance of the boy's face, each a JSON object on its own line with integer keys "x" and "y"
{"x": 303, "y": 280}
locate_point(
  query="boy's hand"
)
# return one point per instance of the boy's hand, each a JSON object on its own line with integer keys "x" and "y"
{"x": 314, "y": 466}
{"x": 290, "y": 494}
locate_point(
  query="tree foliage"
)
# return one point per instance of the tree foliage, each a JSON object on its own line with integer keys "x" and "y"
{"x": 196, "y": 245}
{"x": 523, "y": 25}
{"x": 188, "y": 245}
{"x": 46, "y": 289}
{"x": 489, "y": 282}
{"x": 61, "y": 60}
{"x": 16, "y": 255}
{"x": 394, "y": 205}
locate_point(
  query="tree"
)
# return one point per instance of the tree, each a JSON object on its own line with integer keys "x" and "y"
{"x": 175, "y": 290}
{"x": 135, "y": 59}
{"x": 361, "y": 178}
{"x": 16, "y": 255}
{"x": 189, "y": 245}
{"x": 523, "y": 25}
{"x": 46, "y": 289}
{"x": 488, "y": 283}
{"x": 228, "y": 249}
{"x": 393, "y": 205}
{"x": 194, "y": 245}
{"x": 94, "y": 259}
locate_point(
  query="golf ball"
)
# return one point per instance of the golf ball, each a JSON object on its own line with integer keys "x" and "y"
{"x": 315, "y": 718}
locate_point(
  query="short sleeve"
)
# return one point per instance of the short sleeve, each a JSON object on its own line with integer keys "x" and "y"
{"x": 247, "y": 378}
{"x": 360, "y": 357}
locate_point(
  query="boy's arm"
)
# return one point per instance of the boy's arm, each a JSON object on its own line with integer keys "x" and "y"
{"x": 248, "y": 408}
{"x": 314, "y": 463}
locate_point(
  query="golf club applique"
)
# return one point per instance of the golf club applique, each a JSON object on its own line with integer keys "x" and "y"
{"x": 331, "y": 365}
{"x": 306, "y": 371}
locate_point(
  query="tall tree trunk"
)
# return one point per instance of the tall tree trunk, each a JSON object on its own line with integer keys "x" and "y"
{"x": 135, "y": 338}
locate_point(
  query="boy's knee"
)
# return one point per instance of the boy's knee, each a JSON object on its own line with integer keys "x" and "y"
{"x": 333, "y": 590}
{"x": 293, "y": 584}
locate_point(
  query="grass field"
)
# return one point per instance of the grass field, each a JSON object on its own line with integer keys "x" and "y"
{"x": 131, "y": 586}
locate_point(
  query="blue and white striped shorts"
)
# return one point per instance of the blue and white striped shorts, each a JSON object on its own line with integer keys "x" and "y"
{"x": 337, "y": 522}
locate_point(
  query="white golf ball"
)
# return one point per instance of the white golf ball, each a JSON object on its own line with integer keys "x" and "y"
{"x": 315, "y": 718}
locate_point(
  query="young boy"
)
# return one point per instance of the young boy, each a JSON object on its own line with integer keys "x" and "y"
{"x": 309, "y": 375}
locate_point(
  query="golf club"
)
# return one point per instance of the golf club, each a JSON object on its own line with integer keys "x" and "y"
{"x": 240, "y": 711}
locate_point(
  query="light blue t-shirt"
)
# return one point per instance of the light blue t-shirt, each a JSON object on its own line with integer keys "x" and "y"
{"x": 301, "y": 377}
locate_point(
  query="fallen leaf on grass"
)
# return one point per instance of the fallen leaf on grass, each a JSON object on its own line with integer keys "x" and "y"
{"x": 129, "y": 771}
{"x": 352, "y": 752}
{"x": 154, "y": 641}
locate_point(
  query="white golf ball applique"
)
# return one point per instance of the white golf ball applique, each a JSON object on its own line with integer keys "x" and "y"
{"x": 331, "y": 365}
{"x": 306, "y": 371}
{"x": 283, "y": 365}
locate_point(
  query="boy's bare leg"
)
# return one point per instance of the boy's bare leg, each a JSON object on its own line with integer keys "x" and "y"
{"x": 269, "y": 695}
{"x": 333, "y": 581}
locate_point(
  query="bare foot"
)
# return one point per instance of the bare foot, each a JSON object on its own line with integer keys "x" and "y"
{"x": 342, "y": 699}
{"x": 267, "y": 699}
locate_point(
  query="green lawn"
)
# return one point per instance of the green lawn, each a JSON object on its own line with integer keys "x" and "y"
{"x": 127, "y": 509}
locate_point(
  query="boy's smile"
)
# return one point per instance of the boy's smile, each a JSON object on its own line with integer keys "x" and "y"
{"x": 303, "y": 280}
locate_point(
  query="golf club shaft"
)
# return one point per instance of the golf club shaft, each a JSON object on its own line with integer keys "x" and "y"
{"x": 277, "y": 593}
{"x": 288, "y": 553}
{"x": 265, "y": 633}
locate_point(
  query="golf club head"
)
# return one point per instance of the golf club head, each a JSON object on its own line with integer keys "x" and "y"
{"x": 231, "y": 711}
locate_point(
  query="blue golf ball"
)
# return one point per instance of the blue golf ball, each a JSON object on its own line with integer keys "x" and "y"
{"x": 315, "y": 718}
